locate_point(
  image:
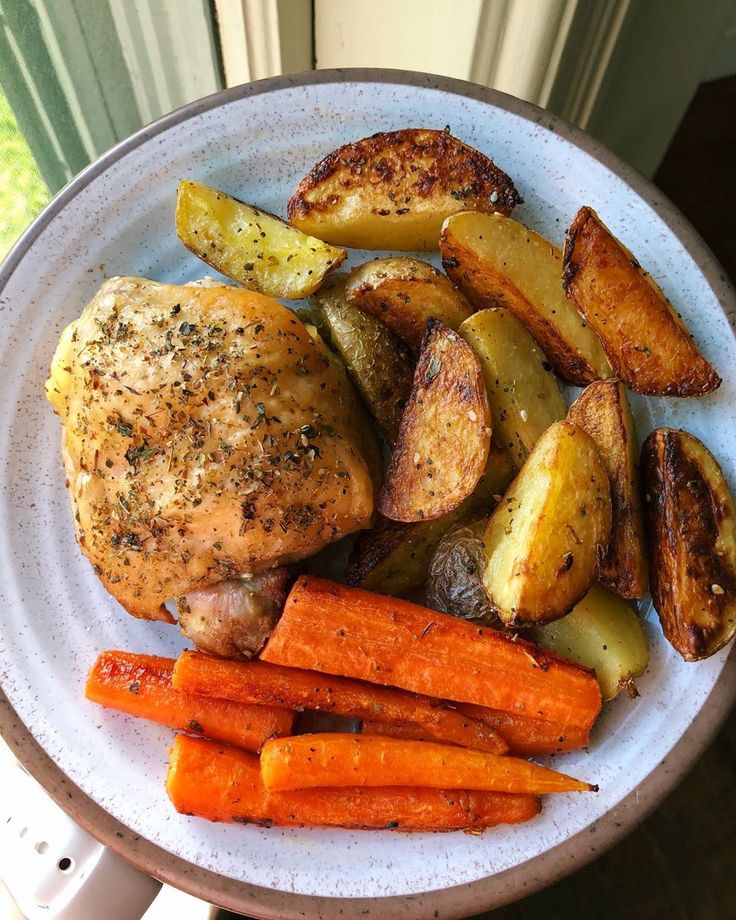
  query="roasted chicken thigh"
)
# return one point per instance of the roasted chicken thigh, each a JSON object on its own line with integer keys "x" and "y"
{"x": 207, "y": 436}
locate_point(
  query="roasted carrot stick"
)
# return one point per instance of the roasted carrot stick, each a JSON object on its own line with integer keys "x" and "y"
{"x": 224, "y": 784}
{"x": 525, "y": 736}
{"x": 273, "y": 685}
{"x": 529, "y": 736}
{"x": 331, "y": 760}
{"x": 329, "y": 627}
{"x": 141, "y": 686}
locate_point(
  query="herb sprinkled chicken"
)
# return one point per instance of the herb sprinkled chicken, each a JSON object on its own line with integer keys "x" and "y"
{"x": 207, "y": 437}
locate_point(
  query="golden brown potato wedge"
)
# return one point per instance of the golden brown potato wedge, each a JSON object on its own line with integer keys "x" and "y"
{"x": 404, "y": 293}
{"x": 392, "y": 557}
{"x": 377, "y": 362}
{"x": 394, "y": 189}
{"x": 445, "y": 433}
{"x": 546, "y": 536}
{"x": 251, "y": 246}
{"x": 604, "y": 633}
{"x": 691, "y": 524}
{"x": 602, "y": 410}
{"x": 646, "y": 342}
{"x": 498, "y": 262}
{"x": 522, "y": 390}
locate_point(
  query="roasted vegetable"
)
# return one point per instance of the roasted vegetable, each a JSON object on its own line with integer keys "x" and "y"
{"x": 377, "y": 362}
{"x": 404, "y": 293}
{"x": 394, "y": 189}
{"x": 645, "y": 340}
{"x": 335, "y": 759}
{"x": 691, "y": 524}
{"x": 546, "y": 536}
{"x": 445, "y": 432}
{"x": 498, "y": 262}
{"x": 251, "y": 246}
{"x": 394, "y": 557}
{"x": 454, "y": 580}
{"x": 604, "y": 633}
{"x": 329, "y": 627}
{"x": 602, "y": 410}
{"x": 522, "y": 390}
{"x": 222, "y": 783}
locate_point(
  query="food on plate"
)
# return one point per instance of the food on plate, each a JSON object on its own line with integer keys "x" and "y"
{"x": 647, "y": 343}
{"x": 350, "y": 632}
{"x": 547, "y": 534}
{"x": 498, "y": 262}
{"x": 393, "y": 190}
{"x": 602, "y": 410}
{"x": 205, "y": 436}
{"x": 691, "y": 524}
{"x": 522, "y": 390}
{"x": 604, "y": 633}
{"x": 334, "y": 759}
{"x": 445, "y": 434}
{"x": 455, "y": 576}
{"x": 222, "y": 783}
{"x": 141, "y": 685}
{"x": 234, "y": 618}
{"x": 378, "y": 363}
{"x": 272, "y": 685}
{"x": 529, "y": 736}
{"x": 404, "y": 293}
{"x": 393, "y": 557}
{"x": 251, "y": 246}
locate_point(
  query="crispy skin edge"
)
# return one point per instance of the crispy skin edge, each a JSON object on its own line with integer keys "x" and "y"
{"x": 665, "y": 462}
{"x": 348, "y": 156}
{"x": 703, "y": 378}
{"x": 389, "y": 502}
{"x": 623, "y": 568}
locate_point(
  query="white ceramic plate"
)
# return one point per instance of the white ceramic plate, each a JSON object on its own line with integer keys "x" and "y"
{"x": 108, "y": 769}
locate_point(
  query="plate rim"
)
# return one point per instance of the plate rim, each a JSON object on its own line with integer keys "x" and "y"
{"x": 491, "y": 891}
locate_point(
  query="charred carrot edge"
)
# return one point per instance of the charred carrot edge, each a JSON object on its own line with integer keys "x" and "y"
{"x": 141, "y": 686}
{"x": 335, "y": 629}
{"x": 334, "y": 759}
{"x": 529, "y": 736}
{"x": 221, "y": 783}
{"x": 274, "y": 685}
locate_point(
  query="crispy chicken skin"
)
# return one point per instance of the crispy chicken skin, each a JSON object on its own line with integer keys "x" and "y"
{"x": 206, "y": 436}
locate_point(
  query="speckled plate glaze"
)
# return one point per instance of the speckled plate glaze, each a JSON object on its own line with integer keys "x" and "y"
{"x": 107, "y": 769}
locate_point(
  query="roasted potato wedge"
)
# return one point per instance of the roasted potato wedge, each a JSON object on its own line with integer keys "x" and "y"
{"x": 251, "y": 246}
{"x": 445, "y": 433}
{"x": 392, "y": 557}
{"x": 394, "y": 189}
{"x": 378, "y": 363}
{"x": 602, "y": 410}
{"x": 404, "y": 293}
{"x": 546, "y": 536}
{"x": 498, "y": 262}
{"x": 454, "y": 579}
{"x": 522, "y": 390}
{"x": 604, "y": 633}
{"x": 645, "y": 340}
{"x": 691, "y": 524}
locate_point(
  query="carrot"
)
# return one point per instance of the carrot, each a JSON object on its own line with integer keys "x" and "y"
{"x": 330, "y": 760}
{"x": 273, "y": 685}
{"x": 329, "y": 627}
{"x": 141, "y": 686}
{"x": 525, "y": 736}
{"x": 528, "y": 736}
{"x": 224, "y": 784}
